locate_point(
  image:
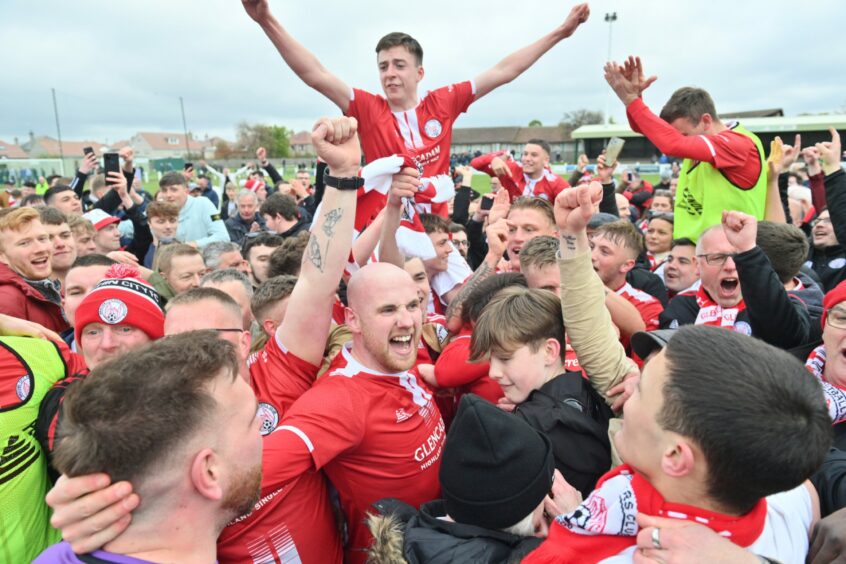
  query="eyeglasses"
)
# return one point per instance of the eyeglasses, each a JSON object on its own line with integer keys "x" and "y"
{"x": 715, "y": 259}
{"x": 836, "y": 317}
{"x": 823, "y": 220}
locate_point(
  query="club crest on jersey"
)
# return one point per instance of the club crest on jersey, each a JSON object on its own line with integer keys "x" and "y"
{"x": 23, "y": 387}
{"x": 433, "y": 128}
{"x": 269, "y": 418}
{"x": 113, "y": 311}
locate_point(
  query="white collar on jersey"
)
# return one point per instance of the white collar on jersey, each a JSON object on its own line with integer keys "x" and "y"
{"x": 353, "y": 366}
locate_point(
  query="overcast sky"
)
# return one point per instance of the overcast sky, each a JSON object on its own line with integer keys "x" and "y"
{"x": 120, "y": 67}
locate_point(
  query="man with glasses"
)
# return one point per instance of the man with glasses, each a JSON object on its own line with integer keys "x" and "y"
{"x": 459, "y": 238}
{"x": 739, "y": 290}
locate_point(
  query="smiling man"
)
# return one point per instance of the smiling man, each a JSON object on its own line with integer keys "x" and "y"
{"x": 61, "y": 237}
{"x": 26, "y": 252}
{"x": 530, "y": 177}
{"x": 401, "y": 121}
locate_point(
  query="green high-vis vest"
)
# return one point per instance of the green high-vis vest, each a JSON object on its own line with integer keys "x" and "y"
{"x": 704, "y": 192}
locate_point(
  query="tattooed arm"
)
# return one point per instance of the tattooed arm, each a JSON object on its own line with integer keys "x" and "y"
{"x": 497, "y": 233}
{"x": 307, "y": 322}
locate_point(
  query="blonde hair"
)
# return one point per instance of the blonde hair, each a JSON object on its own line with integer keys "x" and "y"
{"x": 623, "y": 233}
{"x": 517, "y": 317}
{"x": 79, "y": 225}
{"x": 14, "y": 219}
{"x": 165, "y": 254}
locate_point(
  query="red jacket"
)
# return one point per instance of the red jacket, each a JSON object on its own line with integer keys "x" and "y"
{"x": 547, "y": 187}
{"x": 19, "y": 299}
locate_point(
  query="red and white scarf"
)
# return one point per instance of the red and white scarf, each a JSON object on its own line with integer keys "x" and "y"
{"x": 605, "y": 524}
{"x": 712, "y": 313}
{"x": 835, "y": 397}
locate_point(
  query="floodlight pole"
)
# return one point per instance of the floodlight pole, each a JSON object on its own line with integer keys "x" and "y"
{"x": 610, "y": 17}
{"x": 185, "y": 128}
{"x": 58, "y": 130}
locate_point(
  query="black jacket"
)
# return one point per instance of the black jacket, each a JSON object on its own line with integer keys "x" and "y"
{"x": 575, "y": 419}
{"x": 430, "y": 540}
{"x": 771, "y": 313}
{"x": 830, "y": 483}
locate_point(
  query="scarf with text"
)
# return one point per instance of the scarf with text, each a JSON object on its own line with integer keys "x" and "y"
{"x": 835, "y": 397}
{"x": 712, "y": 313}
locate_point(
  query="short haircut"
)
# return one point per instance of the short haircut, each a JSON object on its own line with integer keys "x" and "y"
{"x": 484, "y": 292}
{"x": 539, "y": 252}
{"x": 97, "y": 182}
{"x": 132, "y": 413}
{"x": 245, "y": 193}
{"x": 280, "y": 204}
{"x": 216, "y": 249}
{"x": 623, "y": 233}
{"x": 93, "y": 259}
{"x": 683, "y": 242}
{"x": 662, "y": 194}
{"x": 29, "y": 184}
{"x": 457, "y": 228}
{"x": 172, "y": 179}
{"x": 433, "y": 223}
{"x": 690, "y": 103}
{"x": 14, "y": 219}
{"x": 55, "y": 191}
{"x": 271, "y": 292}
{"x": 80, "y": 225}
{"x": 52, "y": 216}
{"x": 288, "y": 257}
{"x": 166, "y": 254}
{"x": 260, "y": 240}
{"x": 227, "y": 275}
{"x": 32, "y": 200}
{"x": 540, "y": 143}
{"x": 517, "y": 317}
{"x": 700, "y": 242}
{"x": 162, "y": 209}
{"x": 537, "y": 204}
{"x": 761, "y": 434}
{"x": 197, "y": 295}
{"x": 399, "y": 39}
{"x": 785, "y": 245}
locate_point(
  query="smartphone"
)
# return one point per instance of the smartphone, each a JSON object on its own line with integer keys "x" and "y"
{"x": 111, "y": 163}
{"x": 612, "y": 150}
{"x": 87, "y": 150}
{"x": 487, "y": 203}
{"x": 188, "y": 166}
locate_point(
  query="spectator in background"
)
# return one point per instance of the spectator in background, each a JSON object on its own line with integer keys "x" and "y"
{"x": 221, "y": 255}
{"x": 206, "y": 190}
{"x": 83, "y": 234}
{"x": 179, "y": 268}
{"x": 800, "y": 205}
{"x": 64, "y": 245}
{"x": 199, "y": 220}
{"x": 659, "y": 240}
{"x": 248, "y": 220}
{"x": 32, "y": 201}
{"x": 26, "y": 290}
{"x": 107, "y": 237}
{"x": 459, "y": 238}
{"x": 662, "y": 202}
{"x": 531, "y": 177}
{"x": 282, "y": 216}
{"x": 162, "y": 221}
{"x": 681, "y": 270}
{"x": 234, "y": 284}
{"x": 624, "y": 207}
{"x": 85, "y": 273}
{"x": 256, "y": 251}
{"x": 63, "y": 198}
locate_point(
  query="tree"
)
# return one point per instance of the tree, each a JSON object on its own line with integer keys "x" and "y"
{"x": 222, "y": 150}
{"x": 575, "y": 119}
{"x": 276, "y": 139}
{"x": 535, "y": 123}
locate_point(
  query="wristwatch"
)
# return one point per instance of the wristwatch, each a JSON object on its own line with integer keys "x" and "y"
{"x": 346, "y": 183}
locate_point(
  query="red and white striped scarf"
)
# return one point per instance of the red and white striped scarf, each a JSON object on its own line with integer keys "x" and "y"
{"x": 712, "y": 313}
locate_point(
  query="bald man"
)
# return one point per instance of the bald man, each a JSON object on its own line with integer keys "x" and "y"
{"x": 369, "y": 423}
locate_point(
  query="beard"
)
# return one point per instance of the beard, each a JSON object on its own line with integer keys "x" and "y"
{"x": 243, "y": 493}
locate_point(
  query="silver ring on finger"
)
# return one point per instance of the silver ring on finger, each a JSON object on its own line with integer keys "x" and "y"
{"x": 656, "y": 540}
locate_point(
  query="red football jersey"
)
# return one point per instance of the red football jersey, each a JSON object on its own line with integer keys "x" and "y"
{"x": 547, "y": 186}
{"x": 293, "y": 520}
{"x": 647, "y": 305}
{"x": 376, "y": 435}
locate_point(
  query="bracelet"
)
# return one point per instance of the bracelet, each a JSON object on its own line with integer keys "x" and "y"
{"x": 348, "y": 183}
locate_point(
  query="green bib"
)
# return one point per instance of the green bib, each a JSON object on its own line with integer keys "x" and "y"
{"x": 28, "y": 369}
{"x": 704, "y": 192}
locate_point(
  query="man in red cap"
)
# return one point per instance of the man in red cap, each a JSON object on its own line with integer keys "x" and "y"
{"x": 107, "y": 238}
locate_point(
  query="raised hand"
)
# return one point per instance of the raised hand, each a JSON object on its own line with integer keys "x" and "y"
{"x": 256, "y": 9}
{"x": 574, "y": 207}
{"x": 791, "y": 152}
{"x": 740, "y": 229}
{"x": 336, "y": 142}
{"x": 775, "y": 161}
{"x": 497, "y": 234}
{"x": 582, "y": 162}
{"x": 261, "y": 155}
{"x": 830, "y": 152}
{"x": 578, "y": 15}
{"x": 89, "y": 163}
{"x": 499, "y": 167}
{"x": 500, "y": 207}
{"x": 603, "y": 170}
{"x": 633, "y": 70}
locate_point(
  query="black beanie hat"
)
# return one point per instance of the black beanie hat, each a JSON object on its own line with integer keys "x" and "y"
{"x": 496, "y": 469}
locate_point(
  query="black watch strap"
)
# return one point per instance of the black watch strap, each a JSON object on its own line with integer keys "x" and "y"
{"x": 346, "y": 183}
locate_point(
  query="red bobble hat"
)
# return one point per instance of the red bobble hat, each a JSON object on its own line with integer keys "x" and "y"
{"x": 832, "y": 298}
{"x": 122, "y": 298}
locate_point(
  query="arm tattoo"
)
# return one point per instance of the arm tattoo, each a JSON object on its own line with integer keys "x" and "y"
{"x": 484, "y": 271}
{"x": 330, "y": 219}
{"x": 314, "y": 254}
{"x": 570, "y": 241}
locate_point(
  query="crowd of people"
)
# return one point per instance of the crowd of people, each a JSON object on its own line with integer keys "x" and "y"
{"x": 379, "y": 364}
